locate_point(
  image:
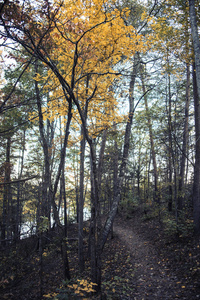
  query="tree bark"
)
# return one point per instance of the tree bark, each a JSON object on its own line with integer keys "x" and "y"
{"x": 185, "y": 144}
{"x": 196, "y": 42}
{"x": 18, "y": 217}
{"x": 50, "y": 192}
{"x": 81, "y": 204}
{"x": 170, "y": 149}
{"x": 115, "y": 170}
{"x": 6, "y": 193}
{"x": 196, "y": 183}
{"x": 156, "y": 191}
{"x": 81, "y": 185}
{"x": 196, "y": 86}
{"x": 47, "y": 183}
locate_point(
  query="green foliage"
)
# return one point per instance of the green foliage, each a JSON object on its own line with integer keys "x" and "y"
{"x": 170, "y": 226}
{"x": 44, "y": 224}
{"x": 71, "y": 219}
{"x": 181, "y": 227}
{"x": 151, "y": 211}
{"x": 128, "y": 205}
{"x": 115, "y": 286}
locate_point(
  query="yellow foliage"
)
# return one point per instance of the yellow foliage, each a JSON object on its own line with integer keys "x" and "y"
{"x": 50, "y": 295}
{"x": 170, "y": 34}
{"x": 82, "y": 286}
{"x": 88, "y": 41}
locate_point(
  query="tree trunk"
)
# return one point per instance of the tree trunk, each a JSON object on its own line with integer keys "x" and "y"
{"x": 170, "y": 149}
{"x": 18, "y": 212}
{"x": 95, "y": 226}
{"x": 196, "y": 88}
{"x": 81, "y": 185}
{"x": 156, "y": 191}
{"x": 116, "y": 200}
{"x": 196, "y": 184}
{"x": 196, "y": 42}
{"x": 50, "y": 192}
{"x": 115, "y": 171}
{"x": 81, "y": 204}
{"x": 185, "y": 144}
{"x": 41, "y": 268}
{"x": 100, "y": 162}
{"x": 6, "y": 194}
{"x": 46, "y": 184}
{"x": 117, "y": 193}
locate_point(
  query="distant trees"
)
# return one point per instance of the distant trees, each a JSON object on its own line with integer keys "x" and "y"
{"x": 12, "y": 143}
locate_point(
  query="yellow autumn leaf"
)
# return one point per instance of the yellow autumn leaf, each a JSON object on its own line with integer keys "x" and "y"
{"x": 47, "y": 295}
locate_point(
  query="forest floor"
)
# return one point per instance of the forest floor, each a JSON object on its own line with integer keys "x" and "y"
{"x": 139, "y": 263}
{"x": 164, "y": 268}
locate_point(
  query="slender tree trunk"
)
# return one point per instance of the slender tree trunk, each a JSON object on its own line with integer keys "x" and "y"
{"x": 41, "y": 268}
{"x": 49, "y": 137}
{"x": 196, "y": 88}
{"x": 50, "y": 191}
{"x": 98, "y": 211}
{"x": 61, "y": 164}
{"x": 61, "y": 194}
{"x": 18, "y": 214}
{"x": 64, "y": 239}
{"x": 81, "y": 204}
{"x": 156, "y": 191}
{"x": 66, "y": 269}
{"x": 170, "y": 149}
{"x": 196, "y": 183}
{"x": 148, "y": 180}
{"x": 47, "y": 184}
{"x": 65, "y": 202}
{"x": 115, "y": 171}
{"x": 100, "y": 162}
{"x": 196, "y": 41}
{"x": 6, "y": 194}
{"x": 76, "y": 210}
{"x": 113, "y": 210}
{"x": 185, "y": 144}
{"x": 95, "y": 224}
{"x": 94, "y": 207}
{"x": 115, "y": 203}
{"x": 81, "y": 186}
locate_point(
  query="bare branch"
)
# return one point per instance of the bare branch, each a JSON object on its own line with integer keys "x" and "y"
{"x": 19, "y": 180}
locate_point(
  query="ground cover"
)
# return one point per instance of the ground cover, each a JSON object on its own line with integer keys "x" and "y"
{"x": 140, "y": 262}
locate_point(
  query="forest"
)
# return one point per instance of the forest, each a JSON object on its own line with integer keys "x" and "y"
{"x": 99, "y": 149}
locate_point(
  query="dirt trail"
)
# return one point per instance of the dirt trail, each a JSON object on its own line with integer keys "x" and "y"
{"x": 153, "y": 279}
